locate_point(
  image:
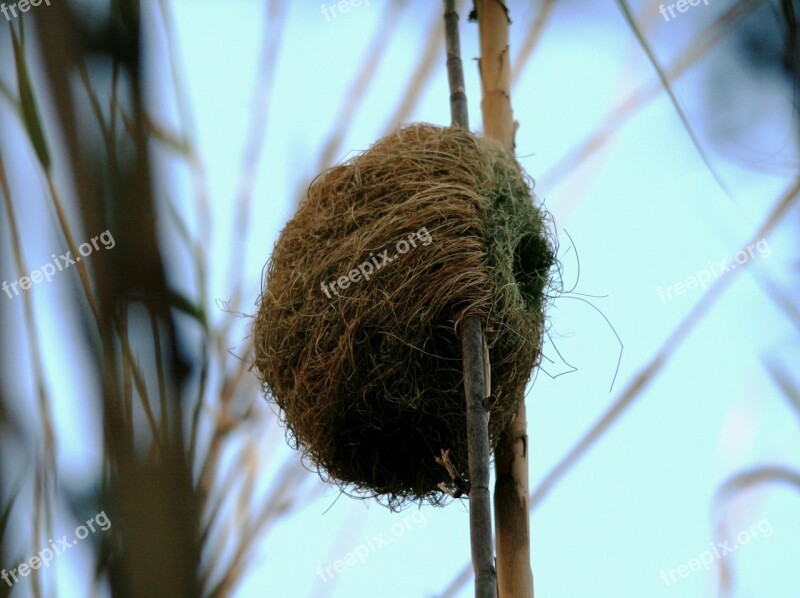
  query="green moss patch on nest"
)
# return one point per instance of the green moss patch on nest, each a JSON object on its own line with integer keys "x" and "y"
{"x": 370, "y": 381}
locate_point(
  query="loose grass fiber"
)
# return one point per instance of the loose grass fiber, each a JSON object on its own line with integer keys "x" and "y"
{"x": 369, "y": 381}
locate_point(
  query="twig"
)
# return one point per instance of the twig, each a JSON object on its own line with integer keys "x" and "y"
{"x": 419, "y": 80}
{"x": 535, "y": 31}
{"x": 455, "y": 70}
{"x": 480, "y": 505}
{"x": 615, "y": 120}
{"x": 461, "y": 485}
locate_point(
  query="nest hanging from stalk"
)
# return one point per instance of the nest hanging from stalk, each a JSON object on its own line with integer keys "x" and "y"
{"x": 367, "y": 370}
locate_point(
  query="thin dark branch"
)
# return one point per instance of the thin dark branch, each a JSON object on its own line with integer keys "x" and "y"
{"x": 455, "y": 69}
{"x": 476, "y": 366}
{"x": 480, "y": 505}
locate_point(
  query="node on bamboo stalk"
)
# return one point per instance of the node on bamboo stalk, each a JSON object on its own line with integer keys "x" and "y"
{"x": 366, "y": 366}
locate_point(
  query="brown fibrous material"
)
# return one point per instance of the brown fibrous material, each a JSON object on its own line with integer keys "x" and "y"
{"x": 368, "y": 374}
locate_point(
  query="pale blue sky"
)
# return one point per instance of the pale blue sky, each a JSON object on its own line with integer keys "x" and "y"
{"x": 643, "y": 213}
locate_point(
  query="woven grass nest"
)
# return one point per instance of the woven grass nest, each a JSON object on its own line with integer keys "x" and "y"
{"x": 366, "y": 368}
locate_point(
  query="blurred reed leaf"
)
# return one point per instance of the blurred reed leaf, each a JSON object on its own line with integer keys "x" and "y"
{"x": 6, "y": 92}
{"x": 626, "y": 12}
{"x": 5, "y": 517}
{"x": 737, "y": 485}
{"x": 787, "y": 386}
{"x": 30, "y": 113}
{"x": 188, "y": 307}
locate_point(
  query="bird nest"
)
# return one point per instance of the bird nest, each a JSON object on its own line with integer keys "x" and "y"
{"x": 357, "y": 331}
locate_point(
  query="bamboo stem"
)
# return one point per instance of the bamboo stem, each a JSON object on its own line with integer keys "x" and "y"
{"x": 514, "y": 575}
{"x": 476, "y": 365}
{"x": 495, "y": 67}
